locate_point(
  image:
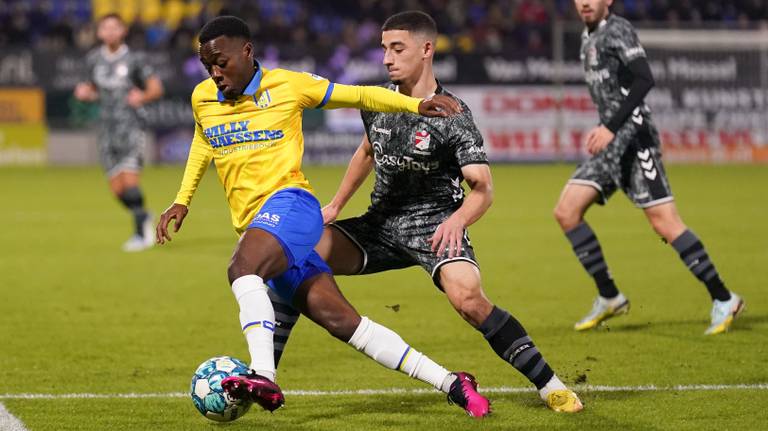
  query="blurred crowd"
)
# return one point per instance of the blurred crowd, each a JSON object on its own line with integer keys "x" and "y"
{"x": 294, "y": 28}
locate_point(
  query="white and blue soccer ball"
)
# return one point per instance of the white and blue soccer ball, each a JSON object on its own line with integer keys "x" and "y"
{"x": 208, "y": 396}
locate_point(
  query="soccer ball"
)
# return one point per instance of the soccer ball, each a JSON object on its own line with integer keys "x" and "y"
{"x": 208, "y": 396}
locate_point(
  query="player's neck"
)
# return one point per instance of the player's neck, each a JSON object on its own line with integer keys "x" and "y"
{"x": 424, "y": 87}
{"x": 114, "y": 48}
{"x": 598, "y": 24}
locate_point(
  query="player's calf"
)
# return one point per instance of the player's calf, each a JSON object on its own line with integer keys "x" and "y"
{"x": 511, "y": 342}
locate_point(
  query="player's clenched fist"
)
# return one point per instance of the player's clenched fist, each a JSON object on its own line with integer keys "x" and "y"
{"x": 175, "y": 212}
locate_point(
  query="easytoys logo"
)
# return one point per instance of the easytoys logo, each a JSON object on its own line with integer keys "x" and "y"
{"x": 401, "y": 163}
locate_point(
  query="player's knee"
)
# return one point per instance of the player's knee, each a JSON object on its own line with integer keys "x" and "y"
{"x": 468, "y": 300}
{"x": 667, "y": 229}
{"x": 474, "y": 309}
{"x": 116, "y": 189}
{"x": 237, "y": 268}
{"x": 567, "y": 216}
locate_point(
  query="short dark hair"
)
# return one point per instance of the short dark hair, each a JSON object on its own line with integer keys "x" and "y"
{"x": 112, "y": 15}
{"x": 414, "y": 21}
{"x": 226, "y": 25}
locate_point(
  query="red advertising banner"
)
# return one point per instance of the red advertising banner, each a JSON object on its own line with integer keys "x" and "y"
{"x": 547, "y": 123}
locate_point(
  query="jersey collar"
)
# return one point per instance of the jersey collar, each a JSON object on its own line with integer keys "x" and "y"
{"x": 439, "y": 88}
{"x": 112, "y": 56}
{"x": 602, "y": 24}
{"x": 252, "y": 87}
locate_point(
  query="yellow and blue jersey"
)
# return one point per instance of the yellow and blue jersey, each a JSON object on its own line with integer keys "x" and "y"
{"x": 256, "y": 141}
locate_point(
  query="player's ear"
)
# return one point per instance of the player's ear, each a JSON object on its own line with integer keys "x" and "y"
{"x": 428, "y": 49}
{"x": 248, "y": 49}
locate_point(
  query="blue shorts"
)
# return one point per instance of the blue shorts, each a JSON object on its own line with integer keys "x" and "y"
{"x": 293, "y": 216}
{"x": 286, "y": 284}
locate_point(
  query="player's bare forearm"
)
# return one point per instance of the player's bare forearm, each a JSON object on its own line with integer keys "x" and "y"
{"x": 360, "y": 166}
{"x": 475, "y": 205}
{"x": 480, "y": 197}
{"x": 154, "y": 89}
{"x": 449, "y": 235}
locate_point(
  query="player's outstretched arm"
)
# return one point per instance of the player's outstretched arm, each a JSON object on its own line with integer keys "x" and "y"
{"x": 379, "y": 99}
{"x": 176, "y": 213}
{"x": 448, "y": 236}
{"x": 359, "y": 168}
{"x": 200, "y": 155}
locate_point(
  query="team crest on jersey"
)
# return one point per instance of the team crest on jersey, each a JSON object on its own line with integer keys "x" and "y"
{"x": 264, "y": 100}
{"x": 422, "y": 140}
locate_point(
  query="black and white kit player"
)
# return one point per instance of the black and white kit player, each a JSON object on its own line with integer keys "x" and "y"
{"x": 626, "y": 154}
{"x": 419, "y": 214}
{"x": 122, "y": 82}
{"x": 418, "y": 165}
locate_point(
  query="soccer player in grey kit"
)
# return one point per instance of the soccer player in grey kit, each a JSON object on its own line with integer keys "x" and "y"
{"x": 419, "y": 214}
{"x": 625, "y": 153}
{"x": 122, "y": 82}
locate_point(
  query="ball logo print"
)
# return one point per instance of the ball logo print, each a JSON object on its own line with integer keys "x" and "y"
{"x": 207, "y": 394}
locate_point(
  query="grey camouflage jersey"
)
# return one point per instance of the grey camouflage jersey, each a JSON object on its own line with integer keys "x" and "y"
{"x": 418, "y": 162}
{"x": 115, "y": 74}
{"x": 632, "y": 161}
{"x": 605, "y": 54}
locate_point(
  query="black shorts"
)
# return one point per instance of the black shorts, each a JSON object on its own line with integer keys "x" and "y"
{"x": 121, "y": 147}
{"x": 386, "y": 245}
{"x": 632, "y": 163}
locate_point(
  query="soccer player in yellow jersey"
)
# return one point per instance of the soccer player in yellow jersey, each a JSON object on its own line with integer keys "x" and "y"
{"x": 248, "y": 122}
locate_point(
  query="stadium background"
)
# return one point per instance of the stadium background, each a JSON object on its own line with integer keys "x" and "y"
{"x": 514, "y": 62}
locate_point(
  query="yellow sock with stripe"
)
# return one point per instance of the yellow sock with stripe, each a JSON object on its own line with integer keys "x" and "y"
{"x": 387, "y": 348}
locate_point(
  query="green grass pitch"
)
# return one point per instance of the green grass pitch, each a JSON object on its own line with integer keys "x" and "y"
{"x": 79, "y": 316}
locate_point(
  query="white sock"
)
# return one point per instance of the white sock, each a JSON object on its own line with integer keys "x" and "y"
{"x": 257, "y": 319}
{"x": 387, "y": 348}
{"x": 552, "y": 385}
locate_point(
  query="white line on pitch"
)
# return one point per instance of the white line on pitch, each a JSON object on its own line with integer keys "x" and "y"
{"x": 494, "y": 390}
{"x": 9, "y": 422}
